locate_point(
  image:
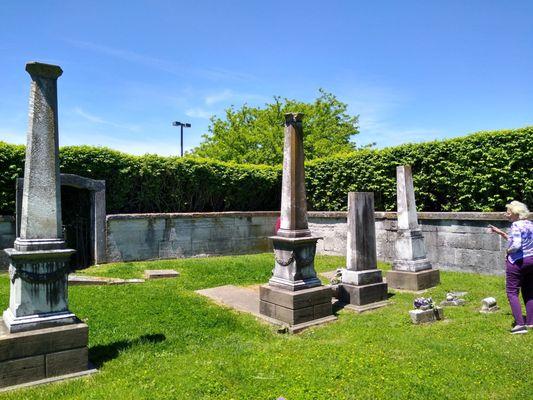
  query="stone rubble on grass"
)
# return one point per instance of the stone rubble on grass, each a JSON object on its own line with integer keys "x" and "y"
{"x": 425, "y": 311}
{"x": 453, "y": 299}
{"x": 489, "y": 305}
{"x": 160, "y": 273}
{"x": 424, "y": 316}
{"x": 81, "y": 280}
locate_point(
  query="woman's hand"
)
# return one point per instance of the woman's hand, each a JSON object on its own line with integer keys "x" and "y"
{"x": 498, "y": 231}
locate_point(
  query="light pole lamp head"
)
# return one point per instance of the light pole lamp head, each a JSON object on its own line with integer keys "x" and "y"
{"x": 184, "y": 124}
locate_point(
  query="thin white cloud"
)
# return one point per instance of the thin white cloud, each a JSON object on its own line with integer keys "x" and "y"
{"x": 227, "y": 95}
{"x": 160, "y": 64}
{"x": 218, "y": 97}
{"x": 377, "y": 107}
{"x": 98, "y": 120}
{"x": 199, "y": 113}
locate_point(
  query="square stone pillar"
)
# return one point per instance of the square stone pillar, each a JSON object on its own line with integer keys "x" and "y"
{"x": 38, "y": 299}
{"x": 411, "y": 270}
{"x": 361, "y": 281}
{"x": 294, "y": 295}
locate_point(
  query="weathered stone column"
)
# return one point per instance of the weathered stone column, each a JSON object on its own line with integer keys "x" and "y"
{"x": 39, "y": 260}
{"x": 411, "y": 268}
{"x": 361, "y": 282}
{"x": 293, "y": 194}
{"x": 43, "y": 338}
{"x": 294, "y": 294}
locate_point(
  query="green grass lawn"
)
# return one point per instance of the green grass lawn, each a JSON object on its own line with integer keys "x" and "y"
{"x": 160, "y": 340}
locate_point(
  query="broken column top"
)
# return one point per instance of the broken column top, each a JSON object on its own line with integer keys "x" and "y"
{"x": 407, "y": 217}
{"x": 41, "y": 201}
{"x": 44, "y": 70}
{"x": 293, "y": 195}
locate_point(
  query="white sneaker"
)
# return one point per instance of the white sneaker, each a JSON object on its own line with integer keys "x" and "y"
{"x": 519, "y": 329}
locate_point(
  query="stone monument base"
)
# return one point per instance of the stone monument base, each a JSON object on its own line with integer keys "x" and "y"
{"x": 43, "y": 353}
{"x": 414, "y": 281}
{"x": 295, "y": 307}
{"x": 363, "y": 294}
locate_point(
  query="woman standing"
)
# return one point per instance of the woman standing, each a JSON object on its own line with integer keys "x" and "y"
{"x": 519, "y": 264}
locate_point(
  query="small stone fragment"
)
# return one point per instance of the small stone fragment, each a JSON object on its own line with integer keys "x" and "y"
{"x": 489, "y": 305}
{"x": 424, "y": 316}
{"x": 160, "y": 273}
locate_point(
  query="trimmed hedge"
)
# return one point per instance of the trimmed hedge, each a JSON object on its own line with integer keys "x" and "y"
{"x": 139, "y": 184}
{"x": 479, "y": 172}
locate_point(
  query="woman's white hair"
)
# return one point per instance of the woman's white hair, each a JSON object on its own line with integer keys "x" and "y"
{"x": 518, "y": 208}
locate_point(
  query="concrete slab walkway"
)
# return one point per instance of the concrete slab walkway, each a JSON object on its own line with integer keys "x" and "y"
{"x": 246, "y": 299}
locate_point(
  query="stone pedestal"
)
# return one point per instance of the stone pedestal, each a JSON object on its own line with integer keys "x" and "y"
{"x": 413, "y": 281}
{"x": 411, "y": 270}
{"x": 294, "y": 295}
{"x": 361, "y": 281}
{"x": 44, "y": 353}
{"x": 39, "y": 290}
{"x": 294, "y": 267}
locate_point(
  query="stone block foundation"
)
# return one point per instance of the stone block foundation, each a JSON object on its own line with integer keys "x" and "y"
{"x": 413, "y": 281}
{"x": 363, "y": 294}
{"x": 40, "y": 354}
{"x": 297, "y": 307}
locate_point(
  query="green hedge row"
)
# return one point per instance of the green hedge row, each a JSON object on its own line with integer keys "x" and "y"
{"x": 479, "y": 172}
{"x": 152, "y": 183}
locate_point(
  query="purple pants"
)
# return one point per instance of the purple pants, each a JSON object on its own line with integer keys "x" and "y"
{"x": 519, "y": 276}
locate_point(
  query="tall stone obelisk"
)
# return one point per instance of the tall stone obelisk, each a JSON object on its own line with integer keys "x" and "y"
{"x": 362, "y": 283}
{"x": 43, "y": 337}
{"x": 294, "y": 294}
{"x": 411, "y": 270}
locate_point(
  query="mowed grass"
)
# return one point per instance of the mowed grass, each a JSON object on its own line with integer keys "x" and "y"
{"x": 160, "y": 340}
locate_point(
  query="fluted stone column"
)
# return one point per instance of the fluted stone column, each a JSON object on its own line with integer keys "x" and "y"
{"x": 411, "y": 269}
{"x": 294, "y": 294}
{"x": 39, "y": 260}
{"x": 361, "y": 281}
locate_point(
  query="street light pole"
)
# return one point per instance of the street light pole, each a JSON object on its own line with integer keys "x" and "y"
{"x": 181, "y": 125}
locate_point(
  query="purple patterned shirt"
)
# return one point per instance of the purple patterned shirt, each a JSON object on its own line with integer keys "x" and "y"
{"x": 520, "y": 240}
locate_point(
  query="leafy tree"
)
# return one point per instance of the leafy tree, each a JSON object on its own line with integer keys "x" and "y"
{"x": 255, "y": 135}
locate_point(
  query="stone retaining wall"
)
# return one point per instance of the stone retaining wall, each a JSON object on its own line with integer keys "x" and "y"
{"x": 153, "y": 236}
{"x": 7, "y": 237}
{"x": 454, "y": 241}
{"x": 457, "y": 241}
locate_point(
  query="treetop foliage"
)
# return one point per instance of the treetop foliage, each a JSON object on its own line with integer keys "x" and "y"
{"x": 254, "y": 135}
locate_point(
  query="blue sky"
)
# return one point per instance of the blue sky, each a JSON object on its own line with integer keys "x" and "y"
{"x": 413, "y": 70}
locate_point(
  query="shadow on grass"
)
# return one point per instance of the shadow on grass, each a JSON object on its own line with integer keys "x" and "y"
{"x": 99, "y": 355}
